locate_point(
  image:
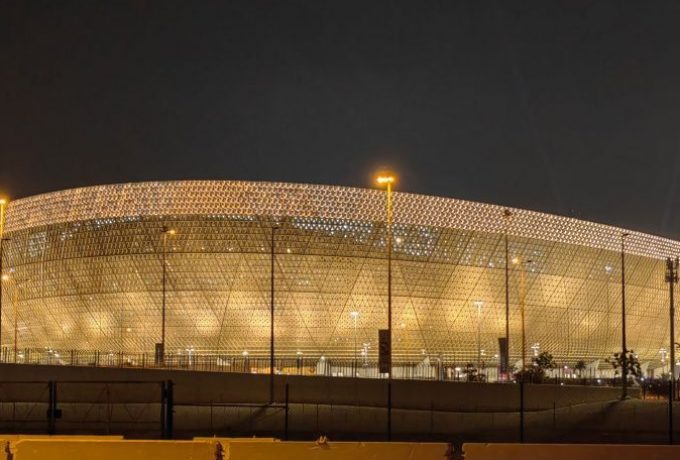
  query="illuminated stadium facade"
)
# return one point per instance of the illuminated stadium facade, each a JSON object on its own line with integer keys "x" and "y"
{"x": 83, "y": 271}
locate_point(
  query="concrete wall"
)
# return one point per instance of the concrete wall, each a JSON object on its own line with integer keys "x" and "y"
{"x": 127, "y": 401}
{"x": 214, "y": 388}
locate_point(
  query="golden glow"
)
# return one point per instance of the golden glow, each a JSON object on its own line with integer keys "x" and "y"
{"x": 100, "y": 247}
{"x": 385, "y": 179}
{"x": 5, "y": 277}
{"x": 3, "y": 201}
{"x": 515, "y": 260}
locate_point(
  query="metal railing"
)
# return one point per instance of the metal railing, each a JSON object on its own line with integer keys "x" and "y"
{"x": 298, "y": 365}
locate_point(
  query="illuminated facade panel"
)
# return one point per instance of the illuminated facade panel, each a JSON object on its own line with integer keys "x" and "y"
{"x": 85, "y": 273}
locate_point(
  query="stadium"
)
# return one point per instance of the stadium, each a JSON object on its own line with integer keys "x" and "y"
{"x": 86, "y": 273}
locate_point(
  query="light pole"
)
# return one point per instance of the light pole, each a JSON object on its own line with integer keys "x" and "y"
{"x": 355, "y": 316}
{"x": 160, "y": 347}
{"x": 387, "y": 181}
{"x": 15, "y": 305}
{"x": 671, "y": 279}
{"x": 271, "y": 313}
{"x": 624, "y": 350}
{"x": 522, "y": 306}
{"x": 479, "y": 305}
{"x": 3, "y": 203}
{"x": 3, "y": 277}
{"x": 506, "y": 360}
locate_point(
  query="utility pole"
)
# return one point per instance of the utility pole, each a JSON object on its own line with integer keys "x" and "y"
{"x": 671, "y": 279}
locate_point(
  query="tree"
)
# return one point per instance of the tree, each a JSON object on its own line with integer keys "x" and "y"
{"x": 579, "y": 367}
{"x": 536, "y": 373}
{"x": 472, "y": 374}
{"x": 632, "y": 364}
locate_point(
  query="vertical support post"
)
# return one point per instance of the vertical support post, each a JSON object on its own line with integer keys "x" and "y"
{"x": 671, "y": 279}
{"x": 624, "y": 349}
{"x": 389, "y": 410}
{"x": 2, "y": 241}
{"x": 521, "y": 409}
{"x": 285, "y": 427}
{"x": 169, "y": 411}
{"x": 389, "y": 306}
{"x": 160, "y": 347}
{"x": 507, "y": 214}
{"x": 51, "y": 407}
{"x": 271, "y": 315}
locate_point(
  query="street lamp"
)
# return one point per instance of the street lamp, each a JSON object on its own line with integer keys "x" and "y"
{"x": 522, "y": 305}
{"x": 160, "y": 347}
{"x": 479, "y": 305}
{"x": 624, "y": 357}
{"x": 387, "y": 180}
{"x": 3, "y": 277}
{"x": 505, "y": 360}
{"x": 15, "y": 306}
{"x": 271, "y": 312}
{"x": 355, "y": 316}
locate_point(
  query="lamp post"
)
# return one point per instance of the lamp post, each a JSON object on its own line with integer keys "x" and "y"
{"x": 479, "y": 305}
{"x": 271, "y": 313}
{"x": 15, "y": 307}
{"x": 355, "y": 316}
{"x": 671, "y": 279}
{"x": 3, "y": 277}
{"x": 522, "y": 305}
{"x": 506, "y": 216}
{"x": 387, "y": 181}
{"x": 3, "y": 203}
{"x": 624, "y": 350}
{"x": 160, "y": 347}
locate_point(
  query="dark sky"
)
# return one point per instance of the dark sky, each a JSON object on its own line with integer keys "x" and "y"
{"x": 571, "y": 107}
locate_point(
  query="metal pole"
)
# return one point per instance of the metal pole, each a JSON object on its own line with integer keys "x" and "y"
{"x": 2, "y": 240}
{"x": 624, "y": 358}
{"x": 479, "y": 341}
{"x": 16, "y": 328}
{"x": 164, "y": 276}
{"x": 389, "y": 307}
{"x": 271, "y": 316}
{"x": 354, "y": 315}
{"x": 506, "y": 215}
{"x": 523, "y": 295}
{"x": 671, "y": 279}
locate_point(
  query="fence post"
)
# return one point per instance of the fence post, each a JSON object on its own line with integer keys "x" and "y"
{"x": 285, "y": 427}
{"x": 169, "y": 409}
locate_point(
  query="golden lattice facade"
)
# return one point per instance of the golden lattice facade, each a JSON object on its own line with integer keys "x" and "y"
{"x": 84, "y": 271}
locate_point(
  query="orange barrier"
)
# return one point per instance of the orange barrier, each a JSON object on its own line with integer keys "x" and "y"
{"x": 255, "y": 450}
{"x": 66, "y": 449}
{"x": 568, "y": 452}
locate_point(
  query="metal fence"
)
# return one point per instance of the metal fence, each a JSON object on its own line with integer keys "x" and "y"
{"x": 298, "y": 365}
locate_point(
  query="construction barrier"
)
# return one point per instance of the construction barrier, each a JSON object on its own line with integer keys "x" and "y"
{"x": 65, "y": 449}
{"x": 568, "y": 452}
{"x": 254, "y": 450}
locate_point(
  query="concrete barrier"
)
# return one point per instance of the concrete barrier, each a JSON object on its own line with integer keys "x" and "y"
{"x": 568, "y": 452}
{"x": 335, "y": 451}
{"x": 67, "y": 449}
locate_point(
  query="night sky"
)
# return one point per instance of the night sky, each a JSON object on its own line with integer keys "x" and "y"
{"x": 570, "y": 107}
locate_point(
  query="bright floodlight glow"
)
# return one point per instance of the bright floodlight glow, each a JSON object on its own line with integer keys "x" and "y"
{"x": 385, "y": 179}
